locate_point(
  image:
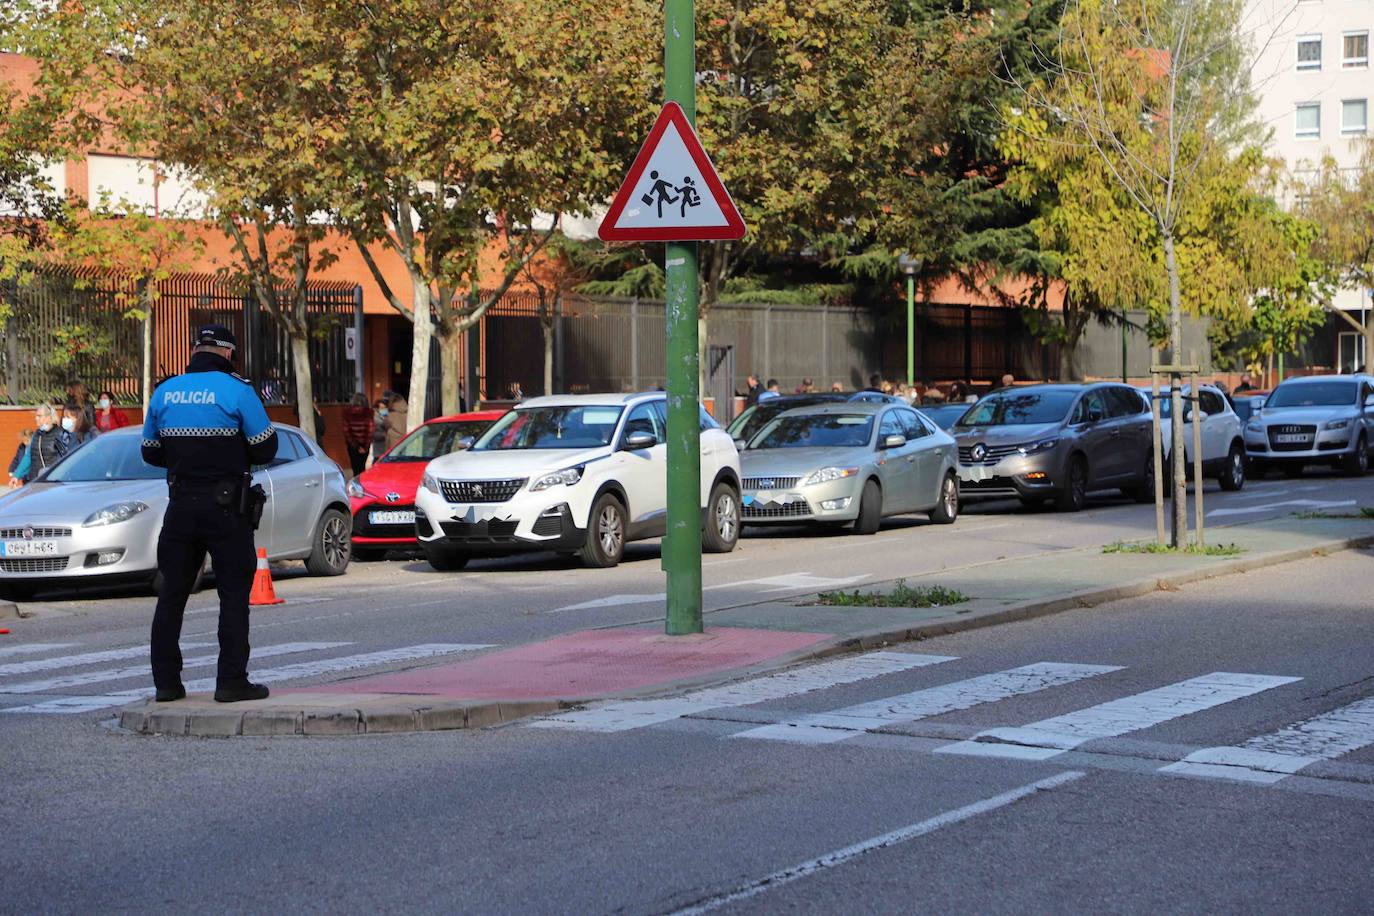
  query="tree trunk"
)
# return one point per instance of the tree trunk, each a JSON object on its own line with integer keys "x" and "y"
{"x": 305, "y": 395}
{"x": 148, "y": 356}
{"x": 1179, "y": 533}
{"x": 450, "y": 369}
{"x": 548, "y": 355}
{"x": 419, "y": 352}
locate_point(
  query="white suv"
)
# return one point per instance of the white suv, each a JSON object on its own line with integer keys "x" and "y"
{"x": 573, "y": 474}
{"x": 1223, "y": 449}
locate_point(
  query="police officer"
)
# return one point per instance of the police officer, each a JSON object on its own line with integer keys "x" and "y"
{"x": 207, "y": 428}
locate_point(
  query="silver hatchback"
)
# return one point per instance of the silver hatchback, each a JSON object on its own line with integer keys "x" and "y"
{"x": 95, "y": 516}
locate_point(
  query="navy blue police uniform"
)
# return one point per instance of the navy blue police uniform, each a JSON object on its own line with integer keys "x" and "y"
{"x": 208, "y": 428}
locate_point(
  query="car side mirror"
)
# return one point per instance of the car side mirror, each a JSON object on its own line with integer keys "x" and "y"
{"x": 894, "y": 441}
{"x": 1369, "y": 401}
{"x": 464, "y": 443}
{"x": 741, "y": 445}
{"x": 638, "y": 441}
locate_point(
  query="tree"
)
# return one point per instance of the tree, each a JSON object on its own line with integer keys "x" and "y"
{"x": 1341, "y": 203}
{"x": 561, "y": 270}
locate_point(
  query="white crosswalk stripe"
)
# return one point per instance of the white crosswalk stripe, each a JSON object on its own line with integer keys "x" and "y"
{"x": 297, "y": 671}
{"x": 1278, "y": 755}
{"x": 1051, "y": 737}
{"x": 829, "y": 727}
{"x": 630, "y": 714}
{"x": 33, "y": 648}
{"x": 86, "y": 658}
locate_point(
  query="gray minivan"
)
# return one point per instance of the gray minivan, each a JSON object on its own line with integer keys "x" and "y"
{"x": 1059, "y": 442}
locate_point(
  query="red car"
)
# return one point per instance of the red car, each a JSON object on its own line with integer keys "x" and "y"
{"x": 383, "y": 497}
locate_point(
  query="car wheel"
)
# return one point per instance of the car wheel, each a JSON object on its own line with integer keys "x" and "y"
{"x": 332, "y": 546}
{"x": 605, "y": 544}
{"x": 368, "y": 554}
{"x": 947, "y": 509}
{"x": 1075, "y": 491}
{"x": 1144, "y": 492}
{"x": 870, "y": 509}
{"x": 444, "y": 559}
{"x": 722, "y": 520}
{"x": 1233, "y": 478}
{"x": 1356, "y": 464}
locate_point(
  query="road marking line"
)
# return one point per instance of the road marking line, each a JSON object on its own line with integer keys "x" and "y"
{"x": 34, "y": 648}
{"x": 1275, "y": 756}
{"x": 1304, "y": 503}
{"x": 841, "y": 724}
{"x": 1052, "y": 737}
{"x": 87, "y": 658}
{"x": 264, "y": 676}
{"x": 893, "y": 838}
{"x": 630, "y": 714}
{"x": 806, "y": 581}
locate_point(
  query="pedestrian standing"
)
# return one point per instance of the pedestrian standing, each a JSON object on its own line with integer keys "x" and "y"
{"x": 19, "y": 464}
{"x": 78, "y": 395}
{"x": 1247, "y": 383}
{"x": 397, "y": 414}
{"x": 752, "y": 392}
{"x": 379, "y": 412}
{"x": 208, "y": 428}
{"x": 837, "y": 387}
{"x": 357, "y": 430}
{"x": 50, "y": 442}
{"x": 771, "y": 391}
{"x": 74, "y": 422}
{"x": 108, "y": 416}
{"x": 1008, "y": 380}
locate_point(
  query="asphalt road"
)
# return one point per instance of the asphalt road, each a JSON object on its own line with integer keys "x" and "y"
{"x": 887, "y": 810}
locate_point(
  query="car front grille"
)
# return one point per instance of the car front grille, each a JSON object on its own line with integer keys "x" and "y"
{"x": 548, "y": 526}
{"x": 34, "y": 564}
{"x": 1308, "y": 432}
{"x": 480, "y": 491}
{"x": 770, "y": 483}
{"x": 995, "y": 453}
{"x": 12, "y": 533}
{"x": 364, "y": 528}
{"x": 798, "y": 509}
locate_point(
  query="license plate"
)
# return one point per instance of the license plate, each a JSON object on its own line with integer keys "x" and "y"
{"x": 976, "y": 473}
{"x": 28, "y": 548}
{"x": 1291, "y": 438}
{"x": 391, "y": 518}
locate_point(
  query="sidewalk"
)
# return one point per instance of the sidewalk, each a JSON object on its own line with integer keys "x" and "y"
{"x": 639, "y": 661}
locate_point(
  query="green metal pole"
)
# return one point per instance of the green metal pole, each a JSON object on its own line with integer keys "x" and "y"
{"x": 1123, "y": 349}
{"x": 682, "y": 544}
{"x": 910, "y": 329}
{"x": 1280, "y": 368}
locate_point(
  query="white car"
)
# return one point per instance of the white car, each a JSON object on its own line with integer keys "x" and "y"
{"x": 1223, "y": 443}
{"x": 572, "y": 474}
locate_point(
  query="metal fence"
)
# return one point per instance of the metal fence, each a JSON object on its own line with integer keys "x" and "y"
{"x": 65, "y": 326}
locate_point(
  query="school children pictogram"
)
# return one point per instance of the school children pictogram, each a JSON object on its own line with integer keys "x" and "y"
{"x": 672, "y": 192}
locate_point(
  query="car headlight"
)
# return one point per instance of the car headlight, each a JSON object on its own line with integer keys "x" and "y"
{"x": 564, "y": 478}
{"x": 825, "y": 475}
{"x": 113, "y": 515}
{"x": 1336, "y": 424}
{"x": 1254, "y": 426}
{"x": 1043, "y": 445}
{"x": 429, "y": 483}
{"x": 355, "y": 489}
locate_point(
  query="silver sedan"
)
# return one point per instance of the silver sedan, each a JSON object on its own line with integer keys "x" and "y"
{"x": 844, "y": 463}
{"x": 95, "y": 516}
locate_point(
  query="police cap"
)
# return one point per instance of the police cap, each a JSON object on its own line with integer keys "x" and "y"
{"x": 216, "y": 335}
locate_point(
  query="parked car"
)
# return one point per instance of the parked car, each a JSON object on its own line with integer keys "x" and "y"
{"x": 756, "y": 416}
{"x": 96, "y": 514}
{"x": 943, "y": 415}
{"x": 854, "y": 462}
{"x": 1223, "y": 446}
{"x": 1320, "y": 419}
{"x": 1059, "y": 442}
{"x": 1247, "y": 402}
{"x": 573, "y": 474}
{"x": 382, "y": 497}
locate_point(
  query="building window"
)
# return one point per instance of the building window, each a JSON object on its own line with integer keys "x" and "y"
{"x": 1355, "y": 49}
{"x": 1310, "y": 52}
{"x": 1354, "y": 117}
{"x": 1308, "y": 124}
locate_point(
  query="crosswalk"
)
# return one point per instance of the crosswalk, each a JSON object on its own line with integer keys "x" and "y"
{"x": 1265, "y": 759}
{"x": 54, "y": 695}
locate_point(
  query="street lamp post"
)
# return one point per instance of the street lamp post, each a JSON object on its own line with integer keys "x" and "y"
{"x": 910, "y": 266}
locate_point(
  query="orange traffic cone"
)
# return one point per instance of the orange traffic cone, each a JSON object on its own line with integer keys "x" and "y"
{"x": 262, "y": 583}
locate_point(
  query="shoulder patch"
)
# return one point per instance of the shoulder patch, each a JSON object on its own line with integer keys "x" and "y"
{"x": 240, "y": 378}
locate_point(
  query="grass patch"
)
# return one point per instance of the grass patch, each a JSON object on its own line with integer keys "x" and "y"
{"x": 902, "y": 595}
{"x": 1197, "y": 550}
{"x": 1364, "y": 512}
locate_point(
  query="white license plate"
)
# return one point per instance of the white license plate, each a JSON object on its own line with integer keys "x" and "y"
{"x": 976, "y": 473}
{"x": 391, "y": 518}
{"x": 1291, "y": 438}
{"x": 28, "y": 548}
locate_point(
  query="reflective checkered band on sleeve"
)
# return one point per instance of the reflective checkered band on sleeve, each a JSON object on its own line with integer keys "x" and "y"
{"x": 152, "y": 443}
{"x": 262, "y": 436}
{"x": 197, "y": 431}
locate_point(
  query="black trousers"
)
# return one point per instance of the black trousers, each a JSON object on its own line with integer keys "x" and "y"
{"x": 357, "y": 458}
{"x": 193, "y": 527}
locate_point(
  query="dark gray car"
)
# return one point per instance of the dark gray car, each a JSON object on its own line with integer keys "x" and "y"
{"x": 1058, "y": 442}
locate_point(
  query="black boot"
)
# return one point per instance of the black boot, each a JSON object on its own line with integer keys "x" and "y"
{"x": 168, "y": 694}
{"x": 238, "y": 692}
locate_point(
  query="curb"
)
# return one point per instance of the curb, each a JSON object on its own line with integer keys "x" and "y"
{"x": 10, "y": 611}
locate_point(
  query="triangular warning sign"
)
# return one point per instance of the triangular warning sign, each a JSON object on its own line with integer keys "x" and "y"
{"x": 672, "y": 193}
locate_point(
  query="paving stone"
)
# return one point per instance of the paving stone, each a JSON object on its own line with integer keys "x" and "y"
{"x": 342, "y": 722}
{"x": 216, "y": 724}
{"x": 271, "y": 722}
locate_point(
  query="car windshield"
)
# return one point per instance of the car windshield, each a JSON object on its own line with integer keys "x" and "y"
{"x": 1020, "y": 409}
{"x": 823, "y": 430}
{"x": 571, "y": 426}
{"x": 106, "y": 458}
{"x": 756, "y": 417}
{"x": 945, "y": 417}
{"x": 435, "y": 439}
{"x": 1313, "y": 394}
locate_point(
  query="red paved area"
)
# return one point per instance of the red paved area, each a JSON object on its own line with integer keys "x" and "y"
{"x": 588, "y": 664}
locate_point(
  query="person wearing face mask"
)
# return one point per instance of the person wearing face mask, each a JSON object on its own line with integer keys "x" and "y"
{"x": 77, "y": 394}
{"x": 396, "y": 411}
{"x": 108, "y": 416}
{"x": 74, "y": 422}
{"x": 49, "y": 443}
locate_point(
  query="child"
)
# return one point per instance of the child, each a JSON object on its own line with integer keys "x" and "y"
{"x": 19, "y": 464}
